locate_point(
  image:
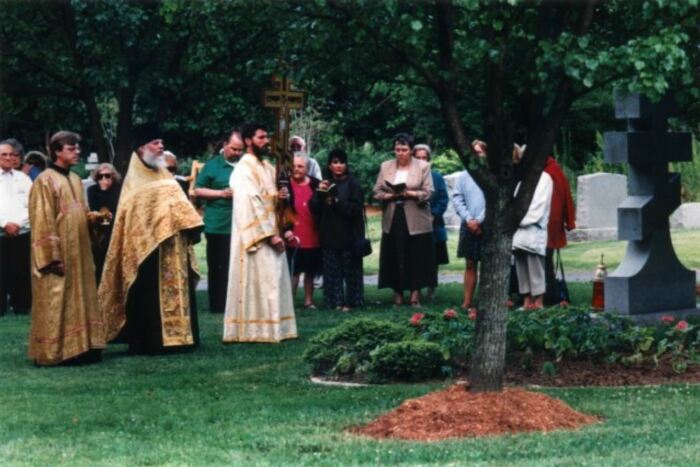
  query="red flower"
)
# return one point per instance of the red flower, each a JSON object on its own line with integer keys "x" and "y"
{"x": 472, "y": 314}
{"x": 667, "y": 319}
{"x": 416, "y": 319}
{"x": 450, "y": 313}
{"x": 564, "y": 304}
{"x": 682, "y": 325}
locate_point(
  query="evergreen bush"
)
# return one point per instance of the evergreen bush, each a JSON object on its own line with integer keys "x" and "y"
{"x": 406, "y": 361}
{"x": 345, "y": 349}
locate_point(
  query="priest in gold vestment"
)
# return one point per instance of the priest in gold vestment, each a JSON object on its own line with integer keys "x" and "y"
{"x": 259, "y": 305}
{"x": 147, "y": 290}
{"x": 66, "y": 326}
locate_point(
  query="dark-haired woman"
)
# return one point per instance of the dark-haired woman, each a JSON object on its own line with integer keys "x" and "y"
{"x": 407, "y": 255}
{"x": 338, "y": 204}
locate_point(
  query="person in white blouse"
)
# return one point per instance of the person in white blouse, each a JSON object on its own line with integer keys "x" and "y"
{"x": 15, "y": 279}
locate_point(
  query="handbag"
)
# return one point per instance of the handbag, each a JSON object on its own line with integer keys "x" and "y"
{"x": 562, "y": 290}
{"x": 362, "y": 246}
{"x": 557, "y": 289}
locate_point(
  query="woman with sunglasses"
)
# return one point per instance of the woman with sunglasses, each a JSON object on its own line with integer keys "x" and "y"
{"x": 103, "y": 196}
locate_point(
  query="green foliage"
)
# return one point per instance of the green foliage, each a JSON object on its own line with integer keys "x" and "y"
{"x": 681, "y": 340}
{"x": 405, "y": 361}
{"x": 453, "y": 330}
{"x": 447, "y": 162}
{"x": 346, "y": 348}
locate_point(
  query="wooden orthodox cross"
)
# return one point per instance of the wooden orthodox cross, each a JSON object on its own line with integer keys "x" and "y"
{"x": 282, "y": 99}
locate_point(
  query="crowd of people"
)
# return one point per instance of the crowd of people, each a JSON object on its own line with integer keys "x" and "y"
{"x": 115, "y": 262}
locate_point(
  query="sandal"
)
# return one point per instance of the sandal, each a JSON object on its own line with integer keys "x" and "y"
{"x": 310, "y": 306}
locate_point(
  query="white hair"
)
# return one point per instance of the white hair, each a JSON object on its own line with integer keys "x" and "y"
{"x": 423, "y": 147}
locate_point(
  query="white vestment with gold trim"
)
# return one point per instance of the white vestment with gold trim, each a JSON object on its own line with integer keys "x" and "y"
{"x": 259, "y": 306}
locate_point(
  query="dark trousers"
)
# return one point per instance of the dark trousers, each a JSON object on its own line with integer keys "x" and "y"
{"x": 551, "y": 295}
{"x": 343, "y": 283}
{"x": 15, "y": 274}
{"x": 218, "y": 254}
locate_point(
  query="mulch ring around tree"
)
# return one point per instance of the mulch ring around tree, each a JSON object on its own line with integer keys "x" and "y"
{"x": 457, "y": 413}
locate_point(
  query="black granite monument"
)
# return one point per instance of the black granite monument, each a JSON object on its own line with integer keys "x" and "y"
{"x": 650, "y": 279}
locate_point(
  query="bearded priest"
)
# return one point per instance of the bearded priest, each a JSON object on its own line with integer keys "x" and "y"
{"x": 147, "y": 291}
{"x": 259, "y": 306}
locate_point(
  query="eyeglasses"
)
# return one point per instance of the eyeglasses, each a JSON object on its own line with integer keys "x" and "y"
{"x": 172, "y": 169}
{"x": 105, "y": 176}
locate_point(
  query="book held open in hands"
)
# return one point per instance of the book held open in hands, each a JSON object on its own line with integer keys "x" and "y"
{"x": 398, "y": 188}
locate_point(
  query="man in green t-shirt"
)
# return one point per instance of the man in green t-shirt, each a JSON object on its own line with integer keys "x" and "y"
{"x": 213, "y": 188}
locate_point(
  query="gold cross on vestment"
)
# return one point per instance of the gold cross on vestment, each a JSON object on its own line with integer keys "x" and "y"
{"x": 282, "y": 99}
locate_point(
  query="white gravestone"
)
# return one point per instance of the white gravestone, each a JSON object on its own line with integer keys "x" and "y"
{"x": 597, "y": 197}
{"x": 687, "y": 216}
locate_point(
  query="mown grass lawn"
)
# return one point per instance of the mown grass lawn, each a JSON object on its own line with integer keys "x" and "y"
{"x": 252, "y": 404}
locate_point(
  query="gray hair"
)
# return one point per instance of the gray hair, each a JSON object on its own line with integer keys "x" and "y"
{"x": 169, "y": 155}
{"x": 424, "y": 147}
{"x": 116, "y": 176}
{"x": 16, "y": 145}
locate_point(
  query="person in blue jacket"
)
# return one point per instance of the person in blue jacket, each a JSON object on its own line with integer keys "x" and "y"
{"x": 438, "y": 206}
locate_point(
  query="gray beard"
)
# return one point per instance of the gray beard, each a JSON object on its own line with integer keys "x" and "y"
{"x": 153, "y": 160}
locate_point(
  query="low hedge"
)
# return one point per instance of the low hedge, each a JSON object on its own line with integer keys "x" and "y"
{"x": 406, "y": 361}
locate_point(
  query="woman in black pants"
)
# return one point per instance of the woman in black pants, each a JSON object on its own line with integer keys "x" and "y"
{"x": 338, "y": 204}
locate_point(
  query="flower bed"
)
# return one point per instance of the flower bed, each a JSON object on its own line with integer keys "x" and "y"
{"x": 434, "y": 344}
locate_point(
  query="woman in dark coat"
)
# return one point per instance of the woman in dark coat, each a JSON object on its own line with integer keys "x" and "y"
{"x": 338, "y": 205}
{"x": 103, "y": 196}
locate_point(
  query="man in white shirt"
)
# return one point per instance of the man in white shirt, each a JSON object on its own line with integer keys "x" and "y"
{"x": 15, "y": 279}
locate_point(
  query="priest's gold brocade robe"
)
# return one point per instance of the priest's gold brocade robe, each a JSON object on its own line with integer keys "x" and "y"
{"x": 66, "y": 321}
{"x": 153, "y": 214}
{"x": 259, "y": 305}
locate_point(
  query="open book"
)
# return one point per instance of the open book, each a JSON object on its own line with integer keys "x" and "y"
{"x": 398, "y": 188}
{"x": 331, "y": 189}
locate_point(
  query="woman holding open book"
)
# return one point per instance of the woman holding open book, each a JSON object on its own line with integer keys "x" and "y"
{"x": 338, "y": 204}
{"x": 406, "y": 256}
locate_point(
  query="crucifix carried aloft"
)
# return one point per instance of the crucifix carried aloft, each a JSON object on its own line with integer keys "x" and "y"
{"x": 282, "y": 98}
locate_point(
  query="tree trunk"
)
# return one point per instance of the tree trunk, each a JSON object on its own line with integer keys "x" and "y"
{"x": 489, "y": 359}
{"x": 95, "y": 121}
{"x": 122, "y": 147}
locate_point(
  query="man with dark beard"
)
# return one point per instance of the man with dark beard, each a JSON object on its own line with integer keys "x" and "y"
{"x": 147, "y": 290}
{"x": 259, "y": 305}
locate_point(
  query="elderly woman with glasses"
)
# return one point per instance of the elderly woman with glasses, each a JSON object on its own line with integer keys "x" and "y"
{"x": 103, "y": 197}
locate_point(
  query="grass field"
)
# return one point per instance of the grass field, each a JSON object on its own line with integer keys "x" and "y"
{"x": 252, "y": 404}
{"x": 579, "y": 256}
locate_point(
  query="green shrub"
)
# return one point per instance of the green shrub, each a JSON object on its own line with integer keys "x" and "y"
{"x": 406, "y": 361}
{"x": 346, "y": 348}
{"x": 571, "y": 332}
{"x": 452, "y": 330}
